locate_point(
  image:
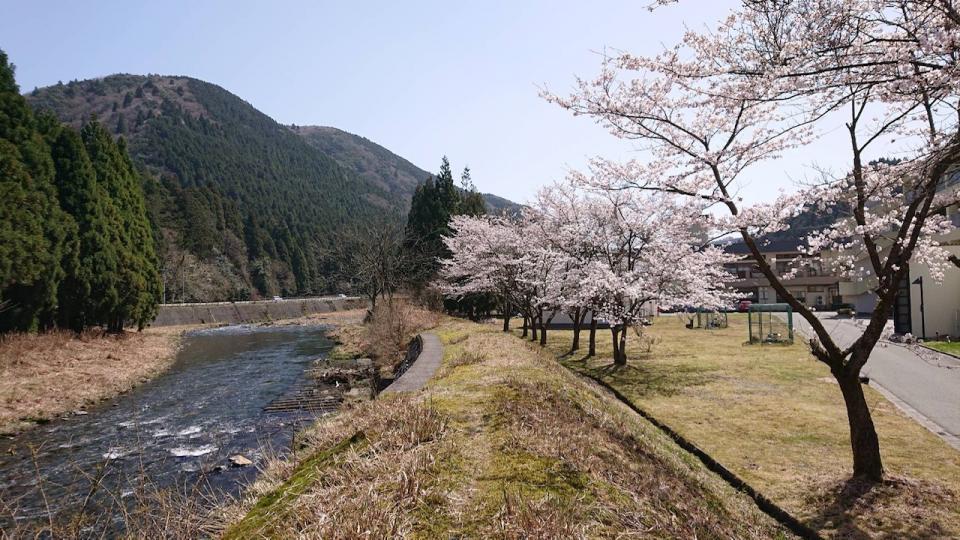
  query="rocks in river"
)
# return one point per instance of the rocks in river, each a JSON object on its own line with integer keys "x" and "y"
{"x": 354, "y": 382}
{"x": 239, "y": 461}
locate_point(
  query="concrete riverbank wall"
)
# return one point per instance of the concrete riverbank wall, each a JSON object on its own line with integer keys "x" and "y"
{"x": 250, "y": 312}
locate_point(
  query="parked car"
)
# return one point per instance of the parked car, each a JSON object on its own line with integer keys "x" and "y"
{"x": 277, "y": 299}
{"x": 847, "y": 310}
{"x": 743, "y": 306}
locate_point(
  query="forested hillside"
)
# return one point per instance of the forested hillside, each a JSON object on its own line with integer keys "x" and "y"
{"x": 379, "y": 165}
{"x": 242, "y": 206}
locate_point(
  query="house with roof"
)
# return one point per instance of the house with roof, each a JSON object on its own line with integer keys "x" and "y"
{"x": 924, "y": 307}
{"x": 808, "y": 282}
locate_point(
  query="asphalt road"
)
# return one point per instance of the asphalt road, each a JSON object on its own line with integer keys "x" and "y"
{"x": 925, "y": 380}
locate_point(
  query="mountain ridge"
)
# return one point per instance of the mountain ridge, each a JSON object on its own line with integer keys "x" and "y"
{"x": 243, "y": 206}
{"x": 339, "y": 143}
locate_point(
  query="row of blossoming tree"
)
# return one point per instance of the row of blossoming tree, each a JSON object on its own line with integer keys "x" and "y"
{"x": 772, "y": 77}
{"x": 582, "y": 250}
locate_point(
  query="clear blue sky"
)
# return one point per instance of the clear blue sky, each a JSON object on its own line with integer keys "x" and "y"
{"x": 421, "y": 78}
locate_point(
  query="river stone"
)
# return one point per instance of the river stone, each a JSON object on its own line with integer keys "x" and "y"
{"x": 364, "y": 362}
{"x": 239, "y": 461}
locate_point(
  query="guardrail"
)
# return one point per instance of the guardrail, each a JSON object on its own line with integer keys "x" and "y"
{"x": 252, "y": 311}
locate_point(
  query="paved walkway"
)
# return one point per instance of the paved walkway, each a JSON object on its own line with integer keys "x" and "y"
{"x": 422, "y": 368}
{"x": 923, "y": 383}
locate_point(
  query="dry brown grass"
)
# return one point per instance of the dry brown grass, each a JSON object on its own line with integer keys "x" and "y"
{"x": 45, "y": 375}
{"x": 392, "y": 326}
{"x": 770, "y": 414}
{"x": 146, "y": 513}
{"x": 335, "y": 318}
{"x": 502, "y": 443}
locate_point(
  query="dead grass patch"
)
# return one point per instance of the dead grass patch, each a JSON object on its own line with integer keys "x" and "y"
{"x": 392, "y": 326}
{"x": 369, "y": 490}
{"x": 45, "y": 375}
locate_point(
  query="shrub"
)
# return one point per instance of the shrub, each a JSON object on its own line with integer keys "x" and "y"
{"x": 392, "y": 325}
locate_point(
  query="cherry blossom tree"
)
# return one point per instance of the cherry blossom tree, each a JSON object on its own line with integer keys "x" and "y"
{"x": 772, "y": 77}
{"x": 614, "y": 253}
{"x": 565, "y": 226}
{"x": 648, "y": 254}
{"x": 487, "y": 256}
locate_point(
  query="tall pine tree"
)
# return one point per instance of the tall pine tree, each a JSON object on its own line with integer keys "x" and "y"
{"x": 434, "y": 203}
{"x": 89, "y": 292}
{"x": 33, "y": 229}
{"x": 138, "y": 281}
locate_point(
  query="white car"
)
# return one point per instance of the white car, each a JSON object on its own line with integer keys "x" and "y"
{"x": 277, "y": 299}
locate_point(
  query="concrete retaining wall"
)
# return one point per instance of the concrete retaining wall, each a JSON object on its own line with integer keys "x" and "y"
{"x": 249, "y": 312}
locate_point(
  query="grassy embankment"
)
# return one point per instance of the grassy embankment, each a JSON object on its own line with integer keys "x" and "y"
{"x": 774, "y": 416}
{"x": 43, "y": 376}
{"x": 503, "y": 442}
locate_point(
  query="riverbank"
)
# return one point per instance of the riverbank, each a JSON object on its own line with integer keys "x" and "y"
{"x": 48, "y": 375}
{"x": 502, "y": 442}
{"x": 45, "y": 376}
{"x": 775, "y": 417}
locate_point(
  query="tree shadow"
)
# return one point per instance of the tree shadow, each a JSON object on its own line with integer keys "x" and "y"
{"x": 641, "y": 379}
{"x": 895, "y": 508}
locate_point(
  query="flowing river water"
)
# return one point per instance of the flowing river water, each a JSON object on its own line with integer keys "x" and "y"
{"x": 177, "y": 430}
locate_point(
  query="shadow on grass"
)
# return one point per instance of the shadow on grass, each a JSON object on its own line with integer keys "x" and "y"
{"x": 641, "y": 379}
{"x": 896, "y": 508}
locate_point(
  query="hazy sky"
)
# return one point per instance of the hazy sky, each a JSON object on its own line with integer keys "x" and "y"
{"x": 423, "y": 79}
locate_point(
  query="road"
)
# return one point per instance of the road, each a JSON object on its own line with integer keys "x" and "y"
{"x": 924, "y": 380}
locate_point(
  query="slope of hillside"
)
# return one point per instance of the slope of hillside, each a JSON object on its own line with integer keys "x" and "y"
{"x": 243, "y": 206}
{"x": 368, "y": 159}
{"x": 380, "y": 166}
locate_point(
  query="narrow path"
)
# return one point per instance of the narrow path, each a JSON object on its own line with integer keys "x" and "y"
{"x": 422, "y": 369}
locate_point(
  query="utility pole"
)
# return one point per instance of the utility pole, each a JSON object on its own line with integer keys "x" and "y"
{"x": 923, "y": 317}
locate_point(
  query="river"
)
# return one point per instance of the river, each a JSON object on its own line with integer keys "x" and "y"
{"x": 175, "y": 431}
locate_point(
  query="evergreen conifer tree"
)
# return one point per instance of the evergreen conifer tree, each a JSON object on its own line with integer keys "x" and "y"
{"x": 434, "y": 203}
{"x": 89, "y": 292}
{"x": 138, "y": 281}
{"x": 32, "y": 228}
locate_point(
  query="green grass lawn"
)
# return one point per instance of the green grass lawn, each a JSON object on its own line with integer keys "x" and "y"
{"x": 774, "y": 416}
{"x": 951, "y": 347}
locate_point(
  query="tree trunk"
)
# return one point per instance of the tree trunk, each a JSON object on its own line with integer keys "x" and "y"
{"x": 863, "y": 436}
{"x": 506, "y": 322}
{"x": 593, "y": 334}
{"x": 577, "y": 323}
{"x": 534, "y": 323}
{"x": 543, "y": 327}
{"x": 526, "y": 326}
{"x": 619, "y": 342}
{"x": 623, "y": 347}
